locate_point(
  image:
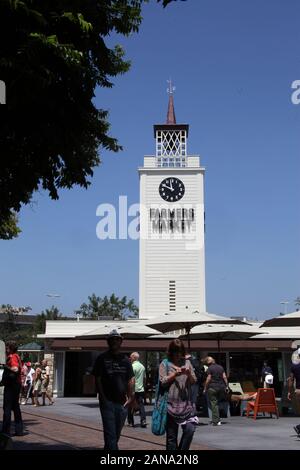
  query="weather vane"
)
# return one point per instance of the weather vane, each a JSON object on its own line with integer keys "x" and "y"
{"x": 170, "y": 88}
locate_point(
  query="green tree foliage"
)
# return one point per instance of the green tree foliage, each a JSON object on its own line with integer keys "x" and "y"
{"x": 11, "y": 329}
{"x": 113, "y": 306}
{"x": 52, "y": 313}
{"x": 9, "y": 227}
{"x": 53, "y": 54}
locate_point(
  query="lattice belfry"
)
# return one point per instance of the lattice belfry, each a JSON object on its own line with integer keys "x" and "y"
{"x": 171, "y": 147}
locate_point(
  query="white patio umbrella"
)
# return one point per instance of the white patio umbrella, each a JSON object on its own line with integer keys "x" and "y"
{"x": 290, "y": 319}
{"x": 127, "y": 331}
{"x": 223, "y": 332}
{"x": 176, "y": 321}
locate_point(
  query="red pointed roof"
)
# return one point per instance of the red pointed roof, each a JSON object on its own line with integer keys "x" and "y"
{"x": 171, "y": 119}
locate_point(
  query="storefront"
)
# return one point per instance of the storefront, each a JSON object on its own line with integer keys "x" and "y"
{"x": 243, "y": 360}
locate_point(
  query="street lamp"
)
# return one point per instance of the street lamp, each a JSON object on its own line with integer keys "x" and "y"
{"x": 285, "y": 303}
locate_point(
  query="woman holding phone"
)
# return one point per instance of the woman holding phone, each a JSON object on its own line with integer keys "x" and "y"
{"x": 177, "y": 375}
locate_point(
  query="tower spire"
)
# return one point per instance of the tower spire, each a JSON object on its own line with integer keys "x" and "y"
{"x": 171, "y": 119}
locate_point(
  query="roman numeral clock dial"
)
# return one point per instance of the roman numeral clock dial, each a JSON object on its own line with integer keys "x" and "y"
{"x": 171, "y": 189}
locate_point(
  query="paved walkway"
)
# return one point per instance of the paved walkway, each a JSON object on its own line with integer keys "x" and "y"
{"x": 74, "y": 423}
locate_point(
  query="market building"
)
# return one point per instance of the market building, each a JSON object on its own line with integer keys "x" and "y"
{"x": 73, "y": 357}
{"x": 171, "y": 280}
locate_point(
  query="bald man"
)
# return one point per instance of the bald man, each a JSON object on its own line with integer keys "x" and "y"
{"x": 215, "y": 386}
{"x": 140, "y": 377}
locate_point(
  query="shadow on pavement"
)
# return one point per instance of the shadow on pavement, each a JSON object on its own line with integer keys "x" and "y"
{"x": 21, "y": 445}
{"x": 87, "y": 405}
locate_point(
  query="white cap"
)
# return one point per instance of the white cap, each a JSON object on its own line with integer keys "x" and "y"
{"x": 269, "y": 379}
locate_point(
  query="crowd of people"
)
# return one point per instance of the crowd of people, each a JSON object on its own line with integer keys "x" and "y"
{"x": 35, "y": 380}
{"x": 22, "y": 382}
{"x": 120, "y": 384}
{"x": 120, "y": 381}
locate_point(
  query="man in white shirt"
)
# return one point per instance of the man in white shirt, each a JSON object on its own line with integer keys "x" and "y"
{"x": 139, "y": 391}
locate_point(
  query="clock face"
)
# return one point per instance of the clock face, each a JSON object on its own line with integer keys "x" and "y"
{"x": 171, "y": 189}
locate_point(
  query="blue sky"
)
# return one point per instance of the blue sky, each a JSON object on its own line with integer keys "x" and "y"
{"x": 232, "y": 63}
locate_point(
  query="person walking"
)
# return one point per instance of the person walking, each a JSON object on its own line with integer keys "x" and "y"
{"x": 29, "y": 384}
{"x": 45, "y": 377}
{"x": 197, "y": 366}
{"x": 12, "y": 386}
{"x": 114, "y": 379}
{"x": 24, "y": 372}
{"x": 295, "y": 378}
{"x": 177, "y": 375}
{"x": 139, "y": 391}
{"x": 216, "y": 385}
{"x": 37, "y": 384}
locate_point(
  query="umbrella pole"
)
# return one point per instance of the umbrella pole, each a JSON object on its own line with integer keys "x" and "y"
{"x": 189, "y": 339}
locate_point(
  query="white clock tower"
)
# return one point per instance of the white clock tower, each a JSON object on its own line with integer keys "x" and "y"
{"x": 172, "y": 264}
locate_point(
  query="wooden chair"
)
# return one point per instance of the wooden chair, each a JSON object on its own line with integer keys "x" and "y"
{"x": 265, "y": 402}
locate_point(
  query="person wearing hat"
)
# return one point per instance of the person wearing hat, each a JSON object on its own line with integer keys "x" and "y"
{"x": 266, "y": 372}
{"x": 295, "y": 377}
{"x": 268, "y": 383}
{"x": 114, "y": 379}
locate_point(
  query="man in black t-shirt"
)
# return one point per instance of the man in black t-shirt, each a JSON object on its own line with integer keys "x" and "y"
{"x": 215, "y": 386}
{"x": 295, "y": 376}
{"x": 115, "y": 385}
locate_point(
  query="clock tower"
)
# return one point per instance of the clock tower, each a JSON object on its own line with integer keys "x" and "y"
{"x": 172, "y": 263}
